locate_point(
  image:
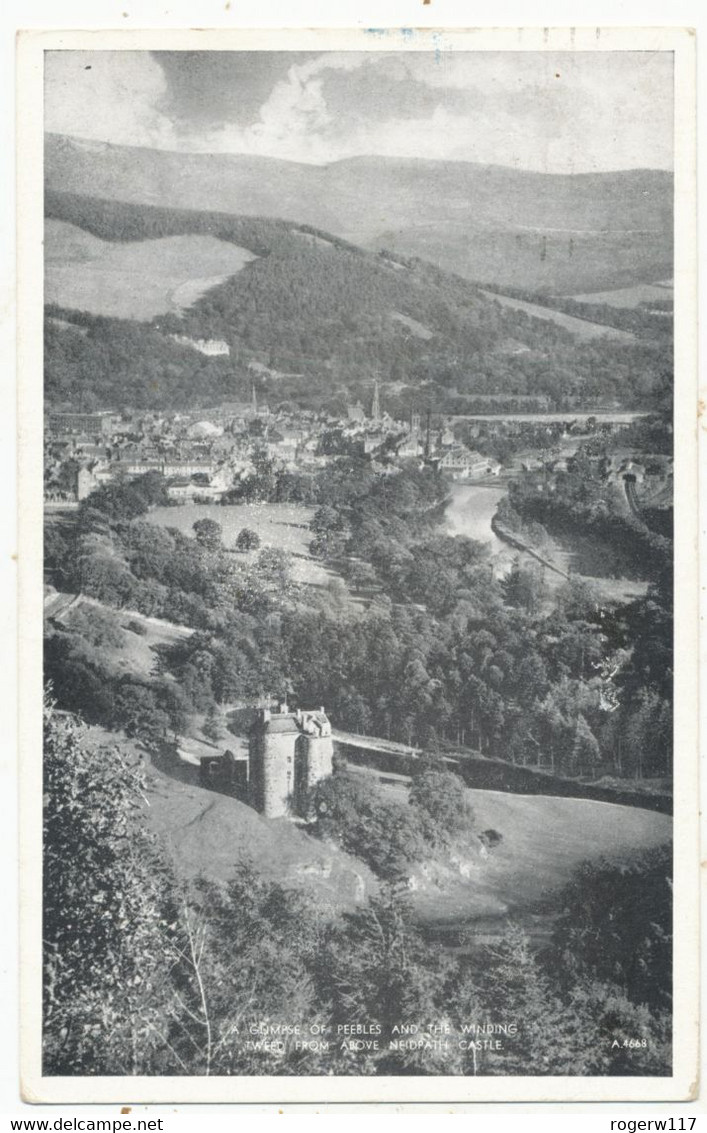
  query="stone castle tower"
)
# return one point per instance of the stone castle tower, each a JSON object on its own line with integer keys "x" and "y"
{"x": 289, "y": 753}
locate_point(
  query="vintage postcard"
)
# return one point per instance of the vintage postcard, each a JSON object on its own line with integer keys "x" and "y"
{"x": 359, "y": 661}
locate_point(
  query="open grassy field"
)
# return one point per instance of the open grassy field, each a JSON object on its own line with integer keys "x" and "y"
{"x": 285, "y": 526}
{"x": 544, "y": 840}
{"x": 582, "y": 328}
{"x": 137, "y": 279}
{"x": 630, "y": 296}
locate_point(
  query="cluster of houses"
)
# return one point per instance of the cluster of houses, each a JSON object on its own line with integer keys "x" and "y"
{"x": 204, "y": 455}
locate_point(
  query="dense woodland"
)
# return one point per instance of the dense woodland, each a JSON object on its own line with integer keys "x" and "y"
{"x": 442, "y": 655}
{"x": 325, "y": 316}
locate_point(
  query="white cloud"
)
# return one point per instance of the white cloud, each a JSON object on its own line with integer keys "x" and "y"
{"x": 555, "y": 112}
{"x": 294, "y": 121}
{"x": 114, "y": 96}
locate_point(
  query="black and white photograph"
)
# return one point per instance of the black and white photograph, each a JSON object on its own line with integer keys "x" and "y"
{"x": 358, "y": 431}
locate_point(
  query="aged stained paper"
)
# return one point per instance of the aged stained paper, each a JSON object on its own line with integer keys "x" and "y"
{"x": 365, "y": 461}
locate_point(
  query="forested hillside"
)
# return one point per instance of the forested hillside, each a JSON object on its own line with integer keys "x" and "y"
{"x": 329, "y": 318}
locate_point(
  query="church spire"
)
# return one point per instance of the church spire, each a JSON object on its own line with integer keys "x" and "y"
{"x": 376, "y": 407}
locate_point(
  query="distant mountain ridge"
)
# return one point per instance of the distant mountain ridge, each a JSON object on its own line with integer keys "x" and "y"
{"x": 493, "y": 224}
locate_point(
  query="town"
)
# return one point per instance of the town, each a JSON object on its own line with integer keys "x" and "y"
{"x": 208, "y": 455}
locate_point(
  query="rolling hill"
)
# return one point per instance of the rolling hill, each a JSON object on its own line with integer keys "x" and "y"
{"x": 586, "y": 232}
{"x": 322, "y": 317}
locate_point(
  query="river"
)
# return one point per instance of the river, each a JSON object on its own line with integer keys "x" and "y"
{"x": 470, "y": 511}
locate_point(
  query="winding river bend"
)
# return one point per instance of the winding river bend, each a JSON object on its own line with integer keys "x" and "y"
{"x": 469, "y": 512}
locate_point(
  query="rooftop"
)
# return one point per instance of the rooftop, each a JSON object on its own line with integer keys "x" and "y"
{"x": 283, "y": 722}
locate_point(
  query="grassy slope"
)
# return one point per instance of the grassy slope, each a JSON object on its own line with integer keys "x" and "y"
{"x": 209, "y": 833}
{"x": 544, "y": 840}
{"x": 135, "y": 280}
{"x": 136, "y": 656}
{"x": 583, "y": 328}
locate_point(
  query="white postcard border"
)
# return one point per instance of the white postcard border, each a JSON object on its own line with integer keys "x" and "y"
{"x": 682, "y": 1085}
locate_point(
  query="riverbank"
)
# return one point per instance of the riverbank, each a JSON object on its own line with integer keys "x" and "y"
{"x": 610, "y": 591}
{"x": 520, "y": 545}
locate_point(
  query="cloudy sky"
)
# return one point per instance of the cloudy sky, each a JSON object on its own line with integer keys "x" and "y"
{"x": 559, "y": 112}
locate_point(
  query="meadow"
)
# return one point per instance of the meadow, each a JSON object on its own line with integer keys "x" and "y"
{"x": 137, "y": 279}
{"x": 582, "y": 328}
{"x": 544, "y": 839}
{"x": 284, "y": 526}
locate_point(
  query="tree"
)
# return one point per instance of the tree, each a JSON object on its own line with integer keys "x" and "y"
{"x": 99, "y": 627}
{"x": 586, "y": 753}
{"x": 208, "y": 534}
{"x": 577, "y": 599}
{"x": 616, "y": 926}
{"x": 360, "y": 575}
{"x": 443, "y": 797}
{"x": 329, "y": 545}
{"x": 243, "y": 953}
{"x": 105, "y": 911}
{"x": 247, "y": 540}
{"x": 646, "y": 723}
{"x": 57, "y": 554}
{"x": 213, "y": 725}
{"x": 326, "y": 519}
{"x": 388, "y": 836}
{"x": 531, "y": 678}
